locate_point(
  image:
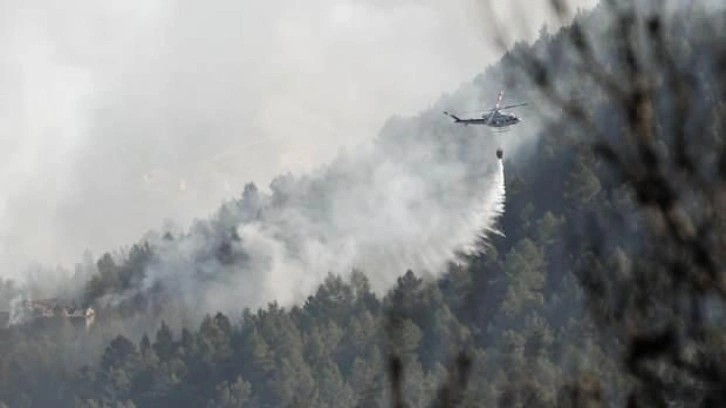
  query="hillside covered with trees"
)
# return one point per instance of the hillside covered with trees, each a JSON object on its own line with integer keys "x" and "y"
{"x": 536, "y": 319}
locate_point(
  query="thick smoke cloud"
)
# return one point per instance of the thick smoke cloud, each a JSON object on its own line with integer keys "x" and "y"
{"x": 413, "y": 198}
{"x": 115, "y": 117}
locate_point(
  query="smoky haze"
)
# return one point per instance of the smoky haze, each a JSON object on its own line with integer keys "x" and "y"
{"x": 116, "y": 117}
{"x": 411, "y": 199}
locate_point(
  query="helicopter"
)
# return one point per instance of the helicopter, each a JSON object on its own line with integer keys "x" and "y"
{"x": 493, "y": 117}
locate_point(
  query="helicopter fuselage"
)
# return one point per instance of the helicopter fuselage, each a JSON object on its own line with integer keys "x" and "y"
{"x": 498, "y": 120}
{"x": 493, "y": 117}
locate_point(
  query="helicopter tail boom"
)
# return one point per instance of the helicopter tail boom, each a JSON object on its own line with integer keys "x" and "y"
{"x": 456, "y": 118}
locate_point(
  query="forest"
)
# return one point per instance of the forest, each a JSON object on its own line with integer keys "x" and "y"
{"x": 595, "y": 294}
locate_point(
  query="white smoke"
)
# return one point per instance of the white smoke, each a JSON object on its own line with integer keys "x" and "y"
{"x": 413, "y": 199}
{"x": 18, "y": 312}
{"x": 117, "y": 115}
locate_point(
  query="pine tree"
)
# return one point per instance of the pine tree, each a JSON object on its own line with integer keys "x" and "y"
{"x": 164, "y": 343}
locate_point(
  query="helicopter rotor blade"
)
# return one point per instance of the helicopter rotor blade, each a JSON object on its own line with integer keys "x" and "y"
{"x": 489, "y": 118}
{"x": 513, "y": 106}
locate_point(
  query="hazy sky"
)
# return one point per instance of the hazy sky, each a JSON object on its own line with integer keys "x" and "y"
{"x": 117, "y": 115}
